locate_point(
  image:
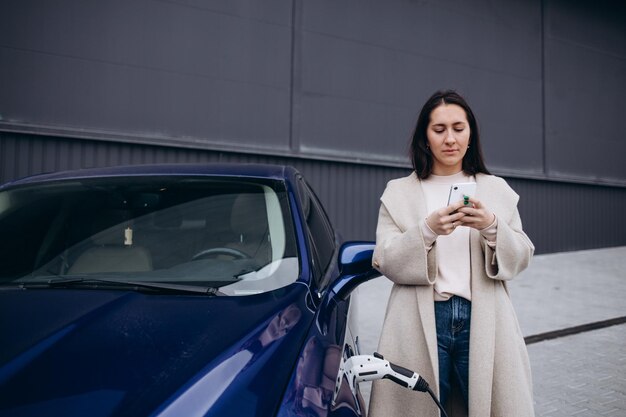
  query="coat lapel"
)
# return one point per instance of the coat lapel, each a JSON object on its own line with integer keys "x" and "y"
{"x": 408, "y": 206}
{"x": 424, "y": 294}
{"x": 493, "y": 198}
{"x": 482, "y": 335}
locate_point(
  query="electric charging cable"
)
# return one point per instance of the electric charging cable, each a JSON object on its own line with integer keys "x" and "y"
{"x": 361, "y": 368}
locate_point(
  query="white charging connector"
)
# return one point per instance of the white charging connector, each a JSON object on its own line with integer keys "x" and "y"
{"x": 361, "y": 368}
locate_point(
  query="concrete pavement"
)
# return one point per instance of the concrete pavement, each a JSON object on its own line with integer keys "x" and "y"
{"x": 581, "y": 374}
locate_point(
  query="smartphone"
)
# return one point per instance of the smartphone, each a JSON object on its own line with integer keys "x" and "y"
{"x": 459, "y": 190}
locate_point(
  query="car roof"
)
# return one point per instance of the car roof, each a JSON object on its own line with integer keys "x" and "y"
{"x": 276, "y": 172}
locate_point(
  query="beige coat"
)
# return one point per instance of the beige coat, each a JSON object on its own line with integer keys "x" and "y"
{"x": 499, "y": 371}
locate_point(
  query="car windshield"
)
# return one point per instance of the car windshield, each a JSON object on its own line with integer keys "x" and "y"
{"x": 232, "y": 234}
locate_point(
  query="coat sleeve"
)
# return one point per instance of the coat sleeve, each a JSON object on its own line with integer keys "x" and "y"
{"x": 512, "y": 252}
{"x": 401, "y": 255}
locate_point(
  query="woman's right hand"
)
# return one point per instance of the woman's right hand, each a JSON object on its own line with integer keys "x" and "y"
{"x": 445, "y": 220}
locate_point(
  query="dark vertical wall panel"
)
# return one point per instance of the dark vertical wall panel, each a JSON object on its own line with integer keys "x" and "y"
{"x": 557, "y": 216}
{"x": 211, "y": 72}
{"x": 585, "y": 83}
{"x": 368, "y": 66}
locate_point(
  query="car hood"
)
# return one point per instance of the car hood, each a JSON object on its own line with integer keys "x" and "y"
{"x": 111, "y": 353}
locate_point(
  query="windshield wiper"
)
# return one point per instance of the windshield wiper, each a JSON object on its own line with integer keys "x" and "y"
{"x": 156, "y": 286}
{"x": 241, "y": 274}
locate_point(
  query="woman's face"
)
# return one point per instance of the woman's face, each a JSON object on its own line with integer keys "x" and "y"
{"x": 448, "y": 136}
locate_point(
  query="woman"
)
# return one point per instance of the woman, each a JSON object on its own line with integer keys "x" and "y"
{"x": 449, "y": 316}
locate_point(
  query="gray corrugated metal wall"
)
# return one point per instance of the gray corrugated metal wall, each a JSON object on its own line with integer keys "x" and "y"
{"x": 331, "y": 87}
{"x": 324, "y": 79}
{"x": 557, "y": 216}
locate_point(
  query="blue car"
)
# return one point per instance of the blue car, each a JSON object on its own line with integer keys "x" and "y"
{"x": 174, "y": 290}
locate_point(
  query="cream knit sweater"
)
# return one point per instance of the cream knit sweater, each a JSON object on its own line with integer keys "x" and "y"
{"x": 453, "y": 255}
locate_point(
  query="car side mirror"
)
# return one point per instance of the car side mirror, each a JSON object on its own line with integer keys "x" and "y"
{"x": 355, "y": 268}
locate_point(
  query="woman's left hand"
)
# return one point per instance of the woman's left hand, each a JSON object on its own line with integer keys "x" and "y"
{"x": 477, "y": 215}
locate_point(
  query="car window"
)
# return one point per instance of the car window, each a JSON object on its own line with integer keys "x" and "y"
{"x": 321, "y": 231}
{"x": 229, "y": 233}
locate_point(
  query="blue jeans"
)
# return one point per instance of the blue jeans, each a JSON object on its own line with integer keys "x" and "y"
{"x": 453, "y": 336}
